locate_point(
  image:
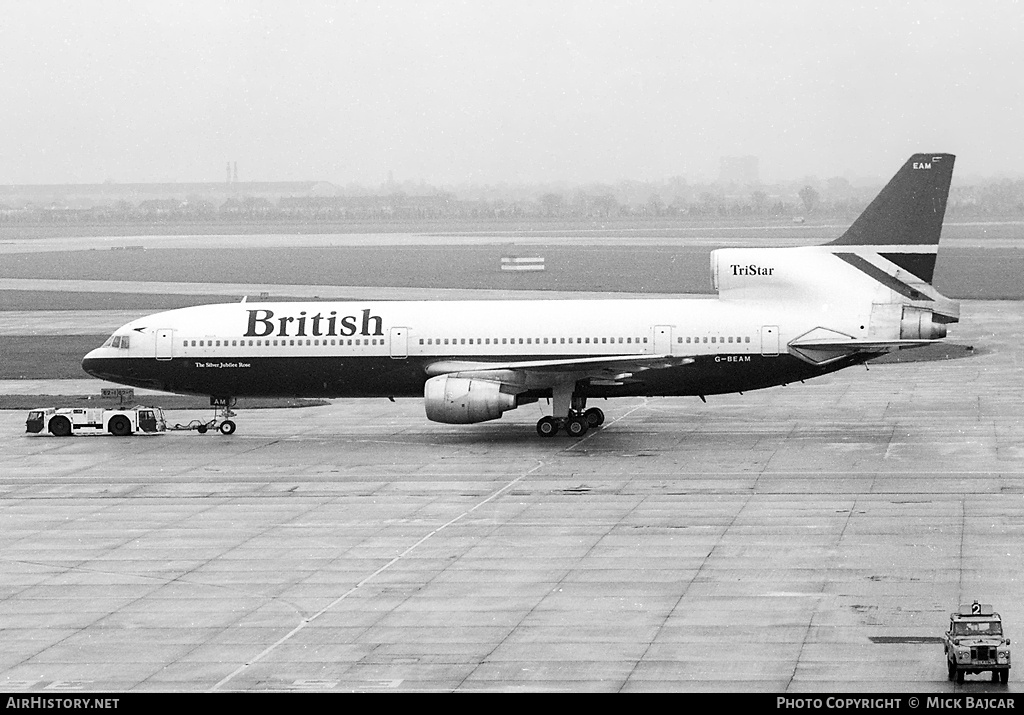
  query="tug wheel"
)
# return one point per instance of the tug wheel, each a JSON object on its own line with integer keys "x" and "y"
{"x": 120, "y": 426}
{"x": 60, "y": 427}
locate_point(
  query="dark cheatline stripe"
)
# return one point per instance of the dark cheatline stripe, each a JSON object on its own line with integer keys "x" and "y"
{"x": 881, "y": 276}
{"x": 921, "y": 265}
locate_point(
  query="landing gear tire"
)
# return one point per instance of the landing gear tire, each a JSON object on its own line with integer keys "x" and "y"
{"x": 227, "y": 427}
{"x": 594, "y": 417}
{"x": 576, "y": 426}
{"x": 547, "y": 427}
{"x": 120, "y": 426}
{"x": 60, "y": 427}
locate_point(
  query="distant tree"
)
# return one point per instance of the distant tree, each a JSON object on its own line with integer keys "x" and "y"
{"x": 810, "y": 198}
{"x": 551, "y": 204}
{"x": 760, "y": 200}
{"x": 606, "y": 205}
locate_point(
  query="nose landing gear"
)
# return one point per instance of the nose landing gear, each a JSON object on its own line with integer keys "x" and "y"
{"x": 226, "y": 426}
{"x": 221, "y": 419}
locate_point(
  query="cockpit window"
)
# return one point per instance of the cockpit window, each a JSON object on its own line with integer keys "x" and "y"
{"x": 117, "y": 342}
{"x": 124, "y": 342}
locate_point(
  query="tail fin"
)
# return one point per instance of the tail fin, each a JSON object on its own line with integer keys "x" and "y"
{"x": 904, "y": 222}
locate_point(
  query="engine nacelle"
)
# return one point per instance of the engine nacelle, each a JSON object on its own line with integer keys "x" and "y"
{"x": 920, "y": 324}
{"x": 464, "y": 400}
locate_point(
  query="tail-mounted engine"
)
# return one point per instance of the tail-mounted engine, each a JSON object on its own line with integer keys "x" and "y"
{"x": 465, "y": 400}
{"x": 920, "y": 324}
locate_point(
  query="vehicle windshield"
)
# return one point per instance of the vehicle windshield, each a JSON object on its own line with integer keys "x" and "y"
{"x": 977, "y": 628}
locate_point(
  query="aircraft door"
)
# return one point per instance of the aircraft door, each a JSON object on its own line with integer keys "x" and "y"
{"x": 164, "y": 344}
{"x": 770, "y": 340}
{"x": 662, "y": 339}
{"x": 399, "y": 343}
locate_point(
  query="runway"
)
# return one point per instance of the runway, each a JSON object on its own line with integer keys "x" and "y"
{"x": 810, "y": 538}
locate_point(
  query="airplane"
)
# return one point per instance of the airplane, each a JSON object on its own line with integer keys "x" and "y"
{"x": 781, "y": 315}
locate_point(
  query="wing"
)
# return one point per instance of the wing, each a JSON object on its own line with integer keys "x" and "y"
{"x": 611, "y": 369}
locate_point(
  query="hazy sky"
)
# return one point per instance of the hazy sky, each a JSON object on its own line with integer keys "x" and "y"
{"x": 486, "y": 90}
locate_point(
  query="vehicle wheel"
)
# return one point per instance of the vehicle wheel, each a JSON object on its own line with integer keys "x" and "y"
{"x": 227, "y": 427}
{"x": 594, "y": 417}
{"x": 1004, "y": 676}
{"x": 547, "y": 427}
{"x": 60, "y": 426}
{"x": 995, "y": 676}
{"x": 959, "y": 676}
{"x": 576, "y": 427}
{"x": 120, "y": 426}
{"x": 950, "y": 669}
{"x": 201, "y": 429}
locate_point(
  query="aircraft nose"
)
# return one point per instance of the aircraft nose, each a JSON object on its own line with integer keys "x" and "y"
{"x": 89, "y": 362}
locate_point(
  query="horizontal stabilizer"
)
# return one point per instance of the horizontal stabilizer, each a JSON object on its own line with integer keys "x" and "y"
{"x": 823, "y": 351}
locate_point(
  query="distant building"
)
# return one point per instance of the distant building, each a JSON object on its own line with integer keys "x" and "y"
{"x": 739, "y": 170}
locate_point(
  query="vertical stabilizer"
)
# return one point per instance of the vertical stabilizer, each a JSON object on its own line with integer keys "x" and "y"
{"x": 904, "y": 222}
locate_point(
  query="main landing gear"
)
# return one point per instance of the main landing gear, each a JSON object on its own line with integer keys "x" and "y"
{"x": 577, "y": 418}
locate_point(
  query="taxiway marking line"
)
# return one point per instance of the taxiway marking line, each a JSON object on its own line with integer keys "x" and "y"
{"x": 306, "y": 621}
